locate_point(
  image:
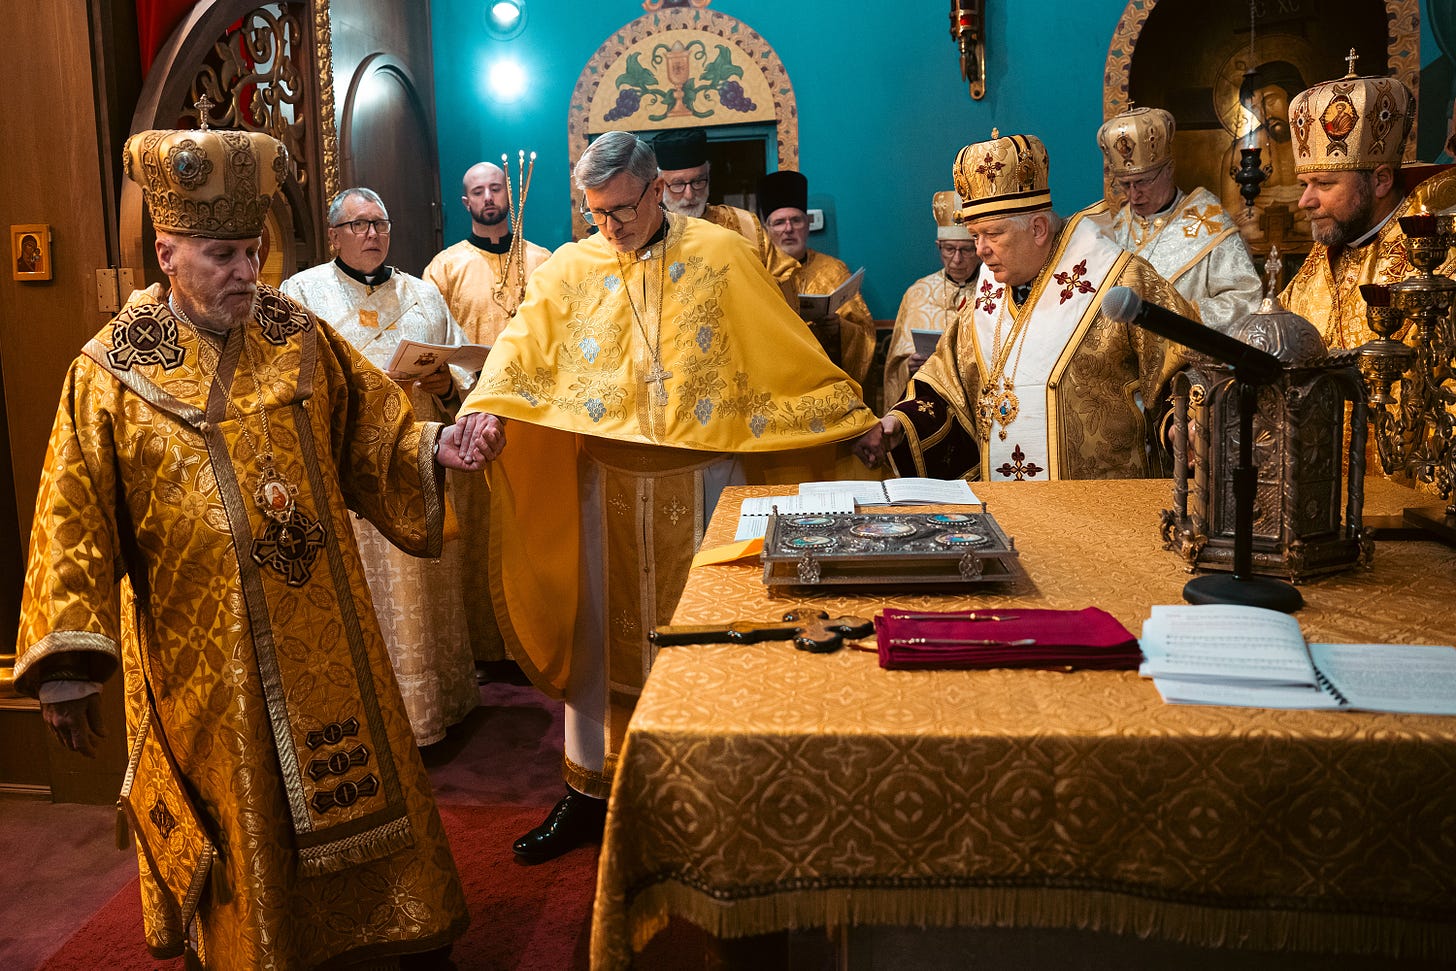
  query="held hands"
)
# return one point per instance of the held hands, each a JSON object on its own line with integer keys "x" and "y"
{"x": 76, "y": 724}
{"x": 874, "y": 445}
{"x": 438, "y": 383}
{"x": 471, "y": 442}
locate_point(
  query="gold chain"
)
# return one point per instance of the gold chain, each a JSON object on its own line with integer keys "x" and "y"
{"x": 658, "y": 374}
{"x": 274, "y": 493}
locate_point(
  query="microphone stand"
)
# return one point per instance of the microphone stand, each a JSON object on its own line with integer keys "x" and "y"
{"x": 1253, "y": 367}
{"x": 1242, "y": 586}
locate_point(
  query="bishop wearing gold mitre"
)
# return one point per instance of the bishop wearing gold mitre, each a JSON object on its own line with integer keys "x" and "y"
{"x": 1348, "y": 140}
{"x": 213, "y": 443}
{"x": 1033, "y": 382}
{"x": 1187, "y": 236}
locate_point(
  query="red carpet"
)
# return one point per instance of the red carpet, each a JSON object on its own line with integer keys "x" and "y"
{"x": 520, "y": 917}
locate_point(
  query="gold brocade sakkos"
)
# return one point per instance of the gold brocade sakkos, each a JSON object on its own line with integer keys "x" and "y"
{"x": 272, "y": 683}
{"x": 1326, "y": 290}
{"x": 1083, "y": 407}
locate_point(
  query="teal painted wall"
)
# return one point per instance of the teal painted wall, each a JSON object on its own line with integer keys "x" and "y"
{"x": 882, "y": 108}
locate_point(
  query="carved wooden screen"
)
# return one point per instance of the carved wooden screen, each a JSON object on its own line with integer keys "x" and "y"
{"x": 263, "y": 67}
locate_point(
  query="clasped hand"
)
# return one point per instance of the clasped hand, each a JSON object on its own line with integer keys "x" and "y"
{"x": 471, "y": 442}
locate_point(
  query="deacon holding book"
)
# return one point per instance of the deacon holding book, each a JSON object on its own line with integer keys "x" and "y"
{"x": 192, "y": 528}
{"x": 650, "y": 365}
{"x": 1032, "y": 382}
{"x": 418, "y": 600}
{"x": 848, "y": 336}
{"x": 932, "y": 301}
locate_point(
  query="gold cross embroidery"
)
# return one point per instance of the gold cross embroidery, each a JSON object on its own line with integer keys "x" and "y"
{"x": 1202, "y": 220}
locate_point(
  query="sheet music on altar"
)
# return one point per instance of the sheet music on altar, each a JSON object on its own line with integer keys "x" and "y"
{"x": 906, "y": 491}
{"x": 754, "y": 514}
{"x": 415, "y": 359}
{"x": 1226, "y": 654}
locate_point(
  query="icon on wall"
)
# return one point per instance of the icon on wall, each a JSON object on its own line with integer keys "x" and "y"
{"x": 30, "y": 246}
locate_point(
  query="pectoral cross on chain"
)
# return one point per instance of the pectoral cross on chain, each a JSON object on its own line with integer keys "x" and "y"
{"x": 657, "y": 377}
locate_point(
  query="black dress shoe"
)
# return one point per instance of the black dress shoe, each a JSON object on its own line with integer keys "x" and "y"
{"x": 574, "y": 821}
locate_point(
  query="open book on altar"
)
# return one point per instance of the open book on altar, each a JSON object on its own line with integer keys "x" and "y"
{"x": 818, "y": 306}
{"x": 1226, "y": 654}
{"x": 908, "y": 491}
{"x": 415, "y": 359}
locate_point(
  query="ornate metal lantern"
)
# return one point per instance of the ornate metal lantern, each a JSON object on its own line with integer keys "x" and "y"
{"x": 1305, "y": 467}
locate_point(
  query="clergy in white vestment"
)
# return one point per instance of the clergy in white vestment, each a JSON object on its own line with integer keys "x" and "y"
{"x": 374, "y": 306}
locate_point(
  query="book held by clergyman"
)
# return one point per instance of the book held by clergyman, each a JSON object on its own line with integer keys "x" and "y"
{"x": 415, "y": 359}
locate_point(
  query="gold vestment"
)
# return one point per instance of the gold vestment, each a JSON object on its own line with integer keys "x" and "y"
{"x": 419, "y": 601}
{"x": 272, "y": 682}
{"x": 626, "y": 378}
{"x": 930, "y": 304}
{"x": 822, "y": 273}
{"x": 1090, "y": 415}
{"x": 468, "y": 278}
{"x": 1326, "y": 290}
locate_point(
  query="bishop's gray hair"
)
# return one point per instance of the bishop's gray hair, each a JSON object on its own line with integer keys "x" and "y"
{"x": 368, "y": 195}
{"x": 612, "y": 154}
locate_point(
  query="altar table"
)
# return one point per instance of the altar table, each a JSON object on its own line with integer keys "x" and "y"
{"x": 761, "y": 788}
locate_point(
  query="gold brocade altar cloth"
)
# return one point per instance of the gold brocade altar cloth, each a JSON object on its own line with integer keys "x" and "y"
{"x": 763, "y": 788}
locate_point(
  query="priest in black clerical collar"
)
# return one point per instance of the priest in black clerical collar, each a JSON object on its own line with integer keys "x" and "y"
{"x": 359, "y": 234}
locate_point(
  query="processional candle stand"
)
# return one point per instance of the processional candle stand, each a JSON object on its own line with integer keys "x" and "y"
{"x": 1412, "y": 383}
{"x": 1279, "y": 516}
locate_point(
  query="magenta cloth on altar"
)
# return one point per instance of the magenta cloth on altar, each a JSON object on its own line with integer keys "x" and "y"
{"x": 1088, "y": 638}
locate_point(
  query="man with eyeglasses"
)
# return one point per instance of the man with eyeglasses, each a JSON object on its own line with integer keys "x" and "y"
{"x": 419, "y": 601}
{"x": 848, "y": 337}
{"x": 1032, "y": 381}
{"x": 650, "y": 365}
{"x": 933, "y": 301}
{"x": 682, "y": 159}
{"x": 1187, "y": 236}
{"x": 483, "y": 278}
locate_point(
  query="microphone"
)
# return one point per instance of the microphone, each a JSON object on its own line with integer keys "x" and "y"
{"x": 1251, "y": 365}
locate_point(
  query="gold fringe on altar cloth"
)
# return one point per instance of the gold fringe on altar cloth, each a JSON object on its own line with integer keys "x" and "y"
{"x": 1259, "y": 927}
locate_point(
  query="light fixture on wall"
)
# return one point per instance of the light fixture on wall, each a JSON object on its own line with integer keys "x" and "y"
{"x": 505, "y": 18}
{"x": 506, "y": 79}
{"x": 968, "y": 30}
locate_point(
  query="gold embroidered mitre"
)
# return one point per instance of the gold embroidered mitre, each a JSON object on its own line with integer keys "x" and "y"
{"x": 1002, "y": 177}
{"x": 206, "y": 182}
{"x": 946, "y": 206}
{"x": 1137, "y": 141}
{"x": 1352, "y": 123}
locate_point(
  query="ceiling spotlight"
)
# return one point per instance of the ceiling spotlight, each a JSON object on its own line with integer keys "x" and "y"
{"x": 505, "y": 18}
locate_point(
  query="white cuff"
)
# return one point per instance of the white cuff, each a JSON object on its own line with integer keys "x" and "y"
{"x": 55, "y": 692}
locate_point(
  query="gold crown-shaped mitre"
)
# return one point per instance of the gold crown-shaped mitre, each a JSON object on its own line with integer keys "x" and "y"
{"x": 1002, "y": 177}
{"x": 946, "y": 207}
{"x": 207, "y": 182}
{"x": 1136, "y": 141}
{"x": 1352, "y": 123}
